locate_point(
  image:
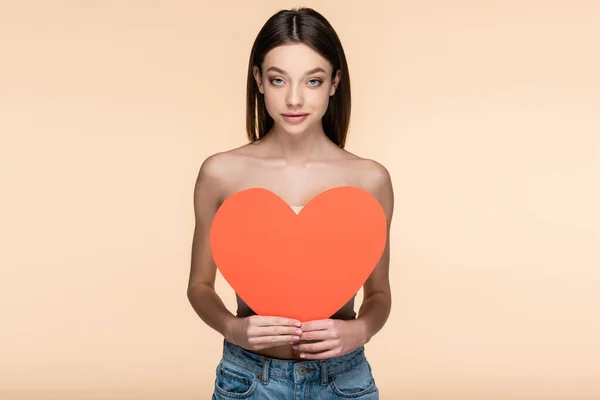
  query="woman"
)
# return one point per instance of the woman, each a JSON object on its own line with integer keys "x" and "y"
{"x": 298, "y": 111}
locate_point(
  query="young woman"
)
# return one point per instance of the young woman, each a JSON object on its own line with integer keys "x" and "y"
{"x": 298, "y": 111}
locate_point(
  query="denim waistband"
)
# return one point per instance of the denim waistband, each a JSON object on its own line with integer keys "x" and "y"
{"x": 294, "y": 370}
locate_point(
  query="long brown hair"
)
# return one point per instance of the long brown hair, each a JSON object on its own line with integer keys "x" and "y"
{"x": 300, "y": 25}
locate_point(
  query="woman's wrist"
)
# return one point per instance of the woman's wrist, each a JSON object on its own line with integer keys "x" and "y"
{"x": 228, "y": 328}
{"x": 363, "y": 329}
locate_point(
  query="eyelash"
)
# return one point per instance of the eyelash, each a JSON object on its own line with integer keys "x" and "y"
{"x": 319, "y": 82}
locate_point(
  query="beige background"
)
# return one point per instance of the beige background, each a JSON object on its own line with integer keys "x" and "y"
{"x": 487, "y": 115}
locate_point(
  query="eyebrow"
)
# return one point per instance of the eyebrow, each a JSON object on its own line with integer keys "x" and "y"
{"x": 312, "y": 71}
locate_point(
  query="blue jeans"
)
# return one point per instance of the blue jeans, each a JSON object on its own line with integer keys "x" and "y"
{"x": 245, "y": 375}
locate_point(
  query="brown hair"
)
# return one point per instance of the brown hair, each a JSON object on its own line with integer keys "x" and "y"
{"x": 301, "y": 25}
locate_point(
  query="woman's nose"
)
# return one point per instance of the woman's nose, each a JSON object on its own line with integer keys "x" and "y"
{"x": 294, "y": 97}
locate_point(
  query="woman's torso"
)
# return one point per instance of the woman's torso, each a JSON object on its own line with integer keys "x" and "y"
{"x": 296, "y": 184}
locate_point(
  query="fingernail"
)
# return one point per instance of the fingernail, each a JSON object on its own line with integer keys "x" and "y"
{"x": 298, "y": 331}
{"x": 296, "y": 337}
{"x": 302, "y": 356}
{"x": 295, "y": 347}
{"x": 298, "y": 323}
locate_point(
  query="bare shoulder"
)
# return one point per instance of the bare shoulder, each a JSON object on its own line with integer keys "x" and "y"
{"x": 219, "y": 171}
{"x": 375, "y": 173}
{"x": 373, "y": 177}
{"x": 219, "y": 164}
{"x": 371, "y": 174}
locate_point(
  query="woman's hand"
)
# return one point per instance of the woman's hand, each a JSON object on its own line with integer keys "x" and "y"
{"x": 260, "y": 332}
{"x": 333, "y": 338}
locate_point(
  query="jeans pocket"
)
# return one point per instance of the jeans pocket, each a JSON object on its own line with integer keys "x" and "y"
{"x": 355, "y": 382}
{"x": 233, "y": 381}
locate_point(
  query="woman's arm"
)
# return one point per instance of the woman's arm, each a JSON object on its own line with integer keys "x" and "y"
{"x": 201, "y": 285}
{"x": 377, "y": 296}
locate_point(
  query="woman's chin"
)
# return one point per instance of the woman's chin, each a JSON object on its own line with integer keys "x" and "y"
{"x": 296, "y": 130}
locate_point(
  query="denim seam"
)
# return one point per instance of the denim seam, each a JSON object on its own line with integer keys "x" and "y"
{"x": 241, "y": 366}
{"x": 348, "y": 368}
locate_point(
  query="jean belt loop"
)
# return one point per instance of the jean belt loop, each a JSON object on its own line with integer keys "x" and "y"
{"x": 265, "y": 373}
{"x": 324, "y": 377}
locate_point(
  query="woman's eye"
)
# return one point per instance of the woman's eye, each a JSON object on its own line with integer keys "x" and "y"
{"x": 311, "y": 82}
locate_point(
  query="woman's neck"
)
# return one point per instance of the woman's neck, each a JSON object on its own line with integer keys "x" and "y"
{"x": 298, "y": 148}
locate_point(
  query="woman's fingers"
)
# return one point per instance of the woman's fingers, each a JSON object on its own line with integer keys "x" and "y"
{"x": 274, "y": 330}
{"x": 318, "y": 335}
{"x": 316, "y": 347}
{"x": 260, "y": 320}
{"x": 268, "y": 341}
{"x": 322, "y": 355}
{"x": 266, "y": 331}
{"x": 262, "y": 342}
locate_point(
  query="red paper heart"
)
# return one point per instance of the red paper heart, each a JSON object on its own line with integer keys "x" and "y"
{"x": 304, "y": 266}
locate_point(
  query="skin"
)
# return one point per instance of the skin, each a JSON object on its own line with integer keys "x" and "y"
{"x": 295, "y": 161}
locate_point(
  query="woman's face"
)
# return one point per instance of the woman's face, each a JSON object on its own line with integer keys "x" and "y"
{"x": 296, "y": 80}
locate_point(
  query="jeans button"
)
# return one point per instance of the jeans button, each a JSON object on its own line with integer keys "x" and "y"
{"x": 301, "y": 370}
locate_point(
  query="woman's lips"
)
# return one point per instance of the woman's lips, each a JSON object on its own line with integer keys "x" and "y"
{"x": 294, "y": 118}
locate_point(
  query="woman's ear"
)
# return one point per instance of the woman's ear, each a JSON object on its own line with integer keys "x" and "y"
{"x": 335, "y": 83}
{"x": 258, "y": 79}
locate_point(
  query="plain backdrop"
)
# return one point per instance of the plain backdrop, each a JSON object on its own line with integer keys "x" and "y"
{"x": 485, "y": 113}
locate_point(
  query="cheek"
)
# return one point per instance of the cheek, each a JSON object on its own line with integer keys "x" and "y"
{"x": 321, "y": 102}
{"x": 273, "y": 99}
{"x": 270, "y": 105}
